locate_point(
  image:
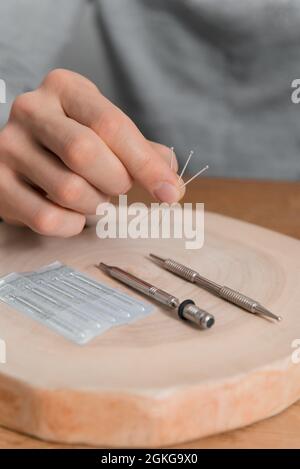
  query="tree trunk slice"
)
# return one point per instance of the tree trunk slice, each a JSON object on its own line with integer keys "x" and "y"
{"x": 158, "y": 381}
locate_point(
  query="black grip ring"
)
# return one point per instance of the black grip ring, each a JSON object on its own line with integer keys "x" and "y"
{"x": 182, "y": 306}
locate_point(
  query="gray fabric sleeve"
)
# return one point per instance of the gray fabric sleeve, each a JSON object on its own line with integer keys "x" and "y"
{"x": 32, "y": 32}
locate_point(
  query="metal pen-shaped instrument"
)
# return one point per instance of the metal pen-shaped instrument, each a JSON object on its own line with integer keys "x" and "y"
{"x": 224, "y": 292}
{"x": 185, "y": 310}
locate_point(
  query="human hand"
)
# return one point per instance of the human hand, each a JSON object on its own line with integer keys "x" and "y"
{"x": 66, "y": 148}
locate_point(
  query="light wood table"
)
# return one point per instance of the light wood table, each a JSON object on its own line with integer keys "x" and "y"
{"x": 275, "y": 205}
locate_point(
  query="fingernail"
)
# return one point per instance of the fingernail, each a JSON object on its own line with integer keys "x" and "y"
{"x": 166, "y": 192}
{"x": 181, "y": 186}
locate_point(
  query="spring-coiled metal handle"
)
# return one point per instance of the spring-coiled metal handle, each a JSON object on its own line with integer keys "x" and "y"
{"x": 191, "y": 275}
{"x": 238, "y": 299}
{"x": 181, "y": 270}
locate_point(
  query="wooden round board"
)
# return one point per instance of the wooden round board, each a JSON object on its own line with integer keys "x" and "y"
{"x": 158, "y": 381}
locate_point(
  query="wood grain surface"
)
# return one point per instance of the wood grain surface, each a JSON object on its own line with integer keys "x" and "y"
{"x": 271, "y": 204}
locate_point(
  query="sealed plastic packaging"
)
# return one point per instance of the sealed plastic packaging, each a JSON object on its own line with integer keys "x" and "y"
{"x": 70, "y": 302}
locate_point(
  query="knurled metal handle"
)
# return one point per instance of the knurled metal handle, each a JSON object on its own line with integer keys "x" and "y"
{"x": 181, "y": 270}
{"x": 238, "y": 299}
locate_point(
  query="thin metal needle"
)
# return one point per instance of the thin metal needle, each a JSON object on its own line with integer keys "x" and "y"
{"x": 186, "y": 163}
{"x": 196, "y": 175}
{"x": 171, "y": 166}
{"x": 172, "y": 157}
{"x": 260, "y": 309}
{"x": 182, "y": 173}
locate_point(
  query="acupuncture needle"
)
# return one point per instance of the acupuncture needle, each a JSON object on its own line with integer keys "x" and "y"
{"x": 42, "y": 295}
{"x": 184, "y": 184}
{"x": 104, "y": 291}
{"x": 105, "y": 310}
{"x": 65, "y": 282}
{"x": 172, "y": 157}
{"x": 195, "y": 176}
{"x": 49, "y": 318}
{"x": 54, "y": 287}
{"x": 82, "y": 316}
{"x": 186, "y": 164}
{"x": 119, "y": 309}
{"x": 224, "y": 292}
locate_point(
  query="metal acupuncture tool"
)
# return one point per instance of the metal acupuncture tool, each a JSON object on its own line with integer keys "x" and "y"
{"x": 224, "y": 292}
{"x": 186, "y": 310}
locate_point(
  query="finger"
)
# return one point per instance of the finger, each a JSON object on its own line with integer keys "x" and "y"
{"x": 61, "y": 185}
{"x": 21, "y": 202}
{"x": 84, "y": 103}
{"x": 13, "y": 221}
{"x": 79, "y": 147}
{"x": 170, "y": 157}
{"x": 167, "y": 153}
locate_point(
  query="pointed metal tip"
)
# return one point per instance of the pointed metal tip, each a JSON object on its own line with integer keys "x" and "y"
{"x": 103, "y": 267}
{"x": 160, "y": 260}
{"x": 261, "y": 310}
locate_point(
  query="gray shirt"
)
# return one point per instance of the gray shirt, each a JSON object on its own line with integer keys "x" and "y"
{"x": 213, "y": 76}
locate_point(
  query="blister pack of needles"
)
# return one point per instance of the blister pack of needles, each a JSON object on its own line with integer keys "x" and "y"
{"x": 70, "y": 302}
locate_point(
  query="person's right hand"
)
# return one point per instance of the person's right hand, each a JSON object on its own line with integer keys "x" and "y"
{"x": 66, "y": 148}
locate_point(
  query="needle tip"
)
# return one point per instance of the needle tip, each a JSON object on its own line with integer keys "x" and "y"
{"x": 157, "y": 258}
{"x": 103, "y": 267}
{"x": 261, "y": 310}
